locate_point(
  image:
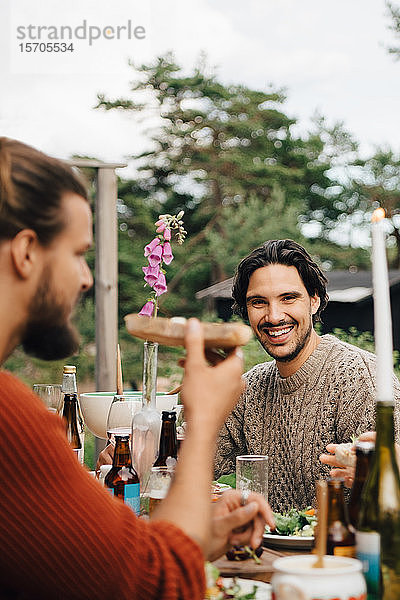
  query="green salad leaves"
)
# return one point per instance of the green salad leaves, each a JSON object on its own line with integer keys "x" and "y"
{"x": 228, "y": 480}
{"x": 216, "y": 590}
{"x": 296, "y": 522}
{"x": 300, "y": 523}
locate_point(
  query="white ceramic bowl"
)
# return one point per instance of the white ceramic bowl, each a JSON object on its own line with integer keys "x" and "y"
{"x": 95, "y": 407}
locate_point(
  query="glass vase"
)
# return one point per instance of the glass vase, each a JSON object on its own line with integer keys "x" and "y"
{"x": 146, "y": 424}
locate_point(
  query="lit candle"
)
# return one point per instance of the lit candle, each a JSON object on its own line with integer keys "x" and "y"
{"x": 382, "y": 313}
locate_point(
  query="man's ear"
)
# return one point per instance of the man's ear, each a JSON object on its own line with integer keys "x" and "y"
{"x": 315, "y": 303}
{"x": 25, "y": 252}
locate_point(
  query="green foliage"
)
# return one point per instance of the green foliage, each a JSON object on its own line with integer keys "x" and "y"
{"x": 394, "y": 14}
{"x": 89, "y": 450}
{"x": 376, "y": 182}
{"x": 331, "y": 256}
{"x": 365, "y": 340}
{"x": 362, "y": 184}
{"x": 229, "y": 156}
{"x": 251, "y": 223}
{"x": 254, "y": 354}
{"x": 136, "y": 218}
{"x": 361, "y": 339}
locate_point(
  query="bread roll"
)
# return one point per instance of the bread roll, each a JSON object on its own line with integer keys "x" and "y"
{"x": 170, "y": 332}
{"x": 345, "y": 455}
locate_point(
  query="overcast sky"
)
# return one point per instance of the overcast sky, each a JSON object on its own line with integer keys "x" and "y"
{"x": 330, "y": 56}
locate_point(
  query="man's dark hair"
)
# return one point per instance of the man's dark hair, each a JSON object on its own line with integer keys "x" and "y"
{"x": 282, "y": 252}
{"x": 32, "y": 186}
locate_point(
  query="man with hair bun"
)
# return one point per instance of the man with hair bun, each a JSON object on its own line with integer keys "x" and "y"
{"x": 62, "y": 534}
{"x": 317, "y": 391}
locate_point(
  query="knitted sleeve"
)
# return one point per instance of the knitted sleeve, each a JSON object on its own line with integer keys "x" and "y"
{"x": 66, "y": 537}
{"x": 357, "y": 395}
{"x": 356, "y": 398}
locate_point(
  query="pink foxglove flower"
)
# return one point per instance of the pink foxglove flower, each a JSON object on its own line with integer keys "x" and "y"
{"x": 155, "y": 257}
{"x": 160, "y": 287}
{"x": 151, "y": 274}
{"x": 147, "y": 310}
{"x": 167, "y": 255}
{"x": 150, "y": 247}
{"x": 161, "y": 227}
{"x": 157, "y": 251}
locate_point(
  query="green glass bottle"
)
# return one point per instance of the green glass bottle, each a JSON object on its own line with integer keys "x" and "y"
{"x": 72, "y": 415}
{"x": 378, "y": 529}
{"x": 364, "y": 454}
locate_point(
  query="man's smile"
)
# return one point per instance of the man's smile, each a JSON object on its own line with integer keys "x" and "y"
{"x": 277, "y": 333}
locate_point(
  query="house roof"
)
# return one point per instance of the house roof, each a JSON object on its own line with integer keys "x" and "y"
{"x": 343, "y": 286}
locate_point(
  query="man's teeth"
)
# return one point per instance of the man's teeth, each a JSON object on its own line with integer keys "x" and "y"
{"x": 274, "y": 333}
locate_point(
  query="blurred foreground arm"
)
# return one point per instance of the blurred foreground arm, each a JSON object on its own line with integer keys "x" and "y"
{"x": 209, "y": 394}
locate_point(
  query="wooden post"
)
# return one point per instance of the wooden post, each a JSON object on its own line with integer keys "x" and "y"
{"x": 106, "y": 278}
{"x": 106, "y": 275}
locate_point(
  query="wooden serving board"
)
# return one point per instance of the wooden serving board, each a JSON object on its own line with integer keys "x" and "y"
{"x": 248, "y": 569}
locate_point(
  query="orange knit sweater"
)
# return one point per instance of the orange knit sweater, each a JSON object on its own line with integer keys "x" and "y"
{"x": 62, "y": 535}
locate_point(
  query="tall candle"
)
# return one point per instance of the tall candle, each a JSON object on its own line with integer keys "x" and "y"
{"x": 382, "y": 312}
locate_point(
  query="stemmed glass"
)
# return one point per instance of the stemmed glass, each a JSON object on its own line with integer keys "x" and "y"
{"x": 50, "y": 394}
{"x": 120, "y": 416}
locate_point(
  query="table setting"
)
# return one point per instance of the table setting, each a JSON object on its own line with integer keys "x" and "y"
{"x": 296, "y": 575}
{"x": 252, "y": 476}
{"x": 292, "y": 562}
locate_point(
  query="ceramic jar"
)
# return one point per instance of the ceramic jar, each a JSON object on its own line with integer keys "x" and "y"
{"x": 295, "y": 579}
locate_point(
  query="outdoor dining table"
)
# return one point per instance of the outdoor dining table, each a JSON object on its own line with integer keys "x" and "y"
{"x": 249, "y": 569}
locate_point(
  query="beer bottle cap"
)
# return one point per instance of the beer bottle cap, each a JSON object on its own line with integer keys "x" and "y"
{"x": 104, "y": 469}
{"x": 168, "y": 415}
{"x": 365, "y": 446}
{"x": 336, "y": 482}
{"x": 69, "y": 369}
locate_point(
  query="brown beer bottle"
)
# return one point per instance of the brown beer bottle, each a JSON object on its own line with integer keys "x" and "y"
{"x": 122, "y": 479}
{"x": 71, "y": 412}
{"x": 341, "y": 540}
{"x": 364, "y": 452}
{"x": 168, "y": 443}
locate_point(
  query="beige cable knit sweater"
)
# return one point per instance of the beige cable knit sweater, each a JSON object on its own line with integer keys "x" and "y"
{"x": 329, "y": 399}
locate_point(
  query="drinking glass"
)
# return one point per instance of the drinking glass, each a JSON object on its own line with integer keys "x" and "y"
{"x": 159, "y": 482}
{"x": 252, "y": 473}
{"x": 51, "y": 395}
{"x": 120, "y": 415}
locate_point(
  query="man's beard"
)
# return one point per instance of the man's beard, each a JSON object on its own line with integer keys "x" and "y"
{"x": 296, "y": 351}
{"x": 49, "y": 335}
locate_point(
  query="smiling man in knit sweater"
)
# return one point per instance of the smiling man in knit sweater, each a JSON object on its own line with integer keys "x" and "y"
{"x": 62, "y": 534}
{"x": 317, "y": 391}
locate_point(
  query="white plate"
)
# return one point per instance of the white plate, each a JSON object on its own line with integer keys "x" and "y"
{"x": 263, "y": 589}
{"x": 295, "y": 542}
